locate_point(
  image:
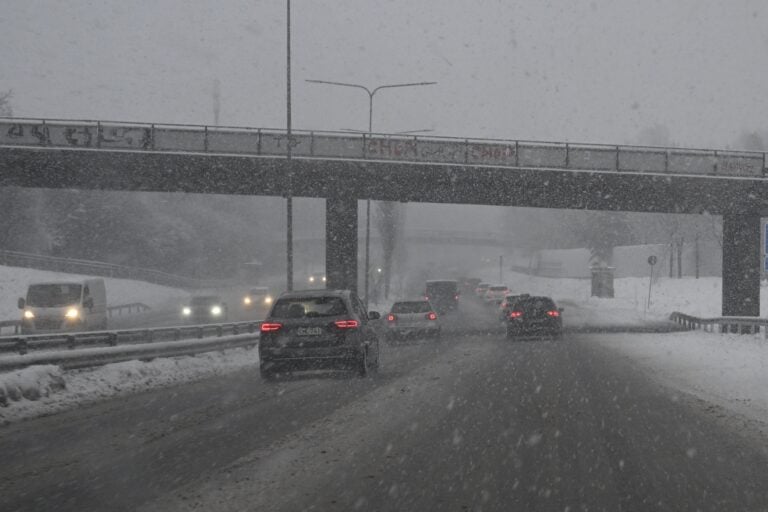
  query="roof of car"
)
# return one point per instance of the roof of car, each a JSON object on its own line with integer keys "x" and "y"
{"x": 454, "y": 281}
{"x": 417, "y": 299}
{"x": 315, "y": 293}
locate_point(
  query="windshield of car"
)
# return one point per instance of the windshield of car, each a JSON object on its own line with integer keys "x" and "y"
{"x": 204, "y": 301}
{"x": 308, "y": 307}
{"x": 420, "y": 306}
{"x": 498, "y": 288}
{"x": 258, "y": 291}
{"x": 53, "y": 295}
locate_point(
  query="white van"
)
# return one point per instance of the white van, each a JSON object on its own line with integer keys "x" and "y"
{"x": 64, "y": 306}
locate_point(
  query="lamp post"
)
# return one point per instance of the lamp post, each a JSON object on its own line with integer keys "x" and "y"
{"x": 371, "y": 94}
{"x": 289, "y": 197}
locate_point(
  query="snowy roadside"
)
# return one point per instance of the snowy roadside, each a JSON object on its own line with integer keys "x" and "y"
{"x": 42, "y": 390}
{"x": 14, "y": 282}
{"x": 727, "y": 370}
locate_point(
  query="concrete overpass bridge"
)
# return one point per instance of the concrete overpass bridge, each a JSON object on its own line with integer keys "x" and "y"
{"x": 344, "y": 168}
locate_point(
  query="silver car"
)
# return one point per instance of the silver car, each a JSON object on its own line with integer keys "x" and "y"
{"x": 416, "y": 318}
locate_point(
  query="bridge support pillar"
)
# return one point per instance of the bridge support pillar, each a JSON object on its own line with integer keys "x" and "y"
{"x": 341, "y": 243}
{"x": 741, "y": 265}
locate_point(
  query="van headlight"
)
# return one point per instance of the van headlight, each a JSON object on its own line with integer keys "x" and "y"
{"x": 186, "y": 311}
{"x": 72, "y": 313}
{"x": 216, "y": 310}
{"x": 29, "y": 315}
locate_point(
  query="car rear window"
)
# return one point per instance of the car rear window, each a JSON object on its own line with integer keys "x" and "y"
{"x": 442, "y": 286}
{"x": 535, "y": 305}
{"x": 419, "y": 306}
{"x": 309, "y": 307}
{"x": 498, "y": 288}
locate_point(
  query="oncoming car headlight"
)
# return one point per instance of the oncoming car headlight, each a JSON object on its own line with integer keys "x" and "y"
{"x": 72, "y": 313}
{"x": 311, "y": 279}
{"x": 216, "y": 310}
{"x": 247, "y": 301}
{"x": 29, "y": 315}
{"x": 186, "y": 311}
{"x": 267, "y": 300}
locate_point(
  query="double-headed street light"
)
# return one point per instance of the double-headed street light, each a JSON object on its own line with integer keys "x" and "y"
{"x": 371, "y": 94}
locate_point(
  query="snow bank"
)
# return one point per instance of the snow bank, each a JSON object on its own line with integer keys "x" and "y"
{"x": 58, "y": 390}
{"x": 14, "y": 282}
{"x": 31, "y": 383}
{"x": 726, "y": 369}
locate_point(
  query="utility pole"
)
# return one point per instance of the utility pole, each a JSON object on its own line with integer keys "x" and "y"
{"x": 289, "y": 197}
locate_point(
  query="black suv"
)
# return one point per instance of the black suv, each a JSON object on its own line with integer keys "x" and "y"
{"x": 534, "y": 316}
{"x": 312, "y": 329}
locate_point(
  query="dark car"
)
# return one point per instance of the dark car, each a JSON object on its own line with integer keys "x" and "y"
{"x": 316, "y": 329}
{"x": 534, "y": 316}
{"x": 443, "y": 294}
{"x": 205, "y": 309}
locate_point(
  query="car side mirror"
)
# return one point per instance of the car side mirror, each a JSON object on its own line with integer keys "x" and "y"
{"x": 22, "y": 303}
{"x": 374, "y": 315}
{"x": 88, "y": 303}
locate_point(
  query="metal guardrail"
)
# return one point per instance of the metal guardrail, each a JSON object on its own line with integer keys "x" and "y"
{"x": 80, "y": 340}
{"x": 98, "y": 268}
{"x": 99, "y": 356}
{"x": 155, "y": 137}
{"x": 133, "y": 307}
{"x": 10, "y": 324}
{"x": 726, "y": 324}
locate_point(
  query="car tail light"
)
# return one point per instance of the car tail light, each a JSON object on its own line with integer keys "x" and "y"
{"x": 391, "y": 317}
{"x": 346, "y": 324}
{"x": 431, "y": 315}
{"x": 271, "y": 327}
{"x": 554, "y": 313}
{"x": 456, "y": 297}
{"x": 515, "y": 314}
{"x": 426, "y": 297}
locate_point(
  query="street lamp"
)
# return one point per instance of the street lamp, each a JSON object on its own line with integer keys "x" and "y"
{"x": 371, "y": 94}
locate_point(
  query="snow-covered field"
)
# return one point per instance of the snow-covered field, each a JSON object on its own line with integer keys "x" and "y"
{"x": 728, "y": 370}
{"x": 14, "y": 282}
{"x": 699, "y": 297}
{"x": 42, "y": 390}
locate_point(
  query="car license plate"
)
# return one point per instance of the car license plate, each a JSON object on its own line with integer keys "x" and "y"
{"x": 309, "y": 331}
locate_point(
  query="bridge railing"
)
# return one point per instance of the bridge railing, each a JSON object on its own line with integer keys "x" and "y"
{"x": 118, "y": 135}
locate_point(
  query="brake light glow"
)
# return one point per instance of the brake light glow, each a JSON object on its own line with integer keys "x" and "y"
{"x": 456, "y": 297}
{"x": 515, "y": 314}
{"x": 431, "y": 315}
{"x": 346, "y": 324}
{"x": 426, "y": 297}
{"x": 554, "y": 313}
{"x": 271, "y": 327}
{"x": 391, "y": 317}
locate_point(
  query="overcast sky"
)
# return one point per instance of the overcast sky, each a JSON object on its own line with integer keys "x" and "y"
{"x": 577, "y": 70}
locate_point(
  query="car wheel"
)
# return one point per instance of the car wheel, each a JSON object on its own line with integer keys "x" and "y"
{"x": 363, "y": 364}
{"x": 267, "y": 372}
{"x": 375, "y": 363}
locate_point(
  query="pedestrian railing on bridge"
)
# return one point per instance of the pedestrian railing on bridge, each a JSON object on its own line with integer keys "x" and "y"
{"x": 724, "y": 324}
{"x": 155, "y": 137}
